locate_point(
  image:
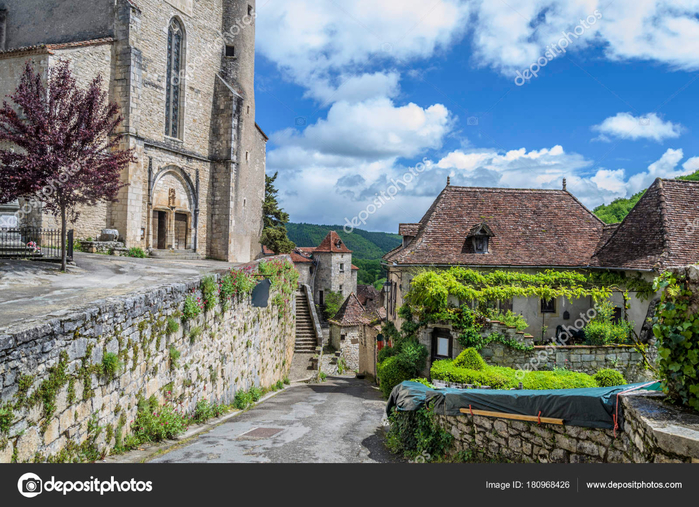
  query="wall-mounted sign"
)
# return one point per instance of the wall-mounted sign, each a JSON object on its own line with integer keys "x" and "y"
{"x": 260, "y": 294}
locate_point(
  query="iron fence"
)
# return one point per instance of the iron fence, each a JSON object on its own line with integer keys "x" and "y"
{"x": 33, "y": 243}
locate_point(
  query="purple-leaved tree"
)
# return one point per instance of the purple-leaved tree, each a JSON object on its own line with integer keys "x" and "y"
{"x": 59, "y": 144}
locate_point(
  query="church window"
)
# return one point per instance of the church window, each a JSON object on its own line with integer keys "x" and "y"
{"x": 174, "y": 88}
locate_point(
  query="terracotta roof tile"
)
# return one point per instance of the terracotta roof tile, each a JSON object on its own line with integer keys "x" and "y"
{"x": 409, "y": 230}
{"x": 661, "y": 231}
{"x": 530, "y": 228}
{"x": 351, "y": 313}
{"x": 332, "y": 243}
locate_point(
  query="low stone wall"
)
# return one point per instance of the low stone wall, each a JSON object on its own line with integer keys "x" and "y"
{"x": 50, "y": 371}
{"x": 582, "y": 358}
{"x": 653, "y": 432}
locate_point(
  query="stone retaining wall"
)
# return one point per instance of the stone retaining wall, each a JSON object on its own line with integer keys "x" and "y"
{"x": 220, "y": 352}
{"x": 653, "y": 433}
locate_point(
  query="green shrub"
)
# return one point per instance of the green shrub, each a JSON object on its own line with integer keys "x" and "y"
{"x": 471, "y": 359}
{"x": 509, "y": 319}
{"x": 194, "y": 334}
{"x": 154, "y": 423}
{"x": 385, "y": 353}
{"x": 391, "y": 373}
{"x": 333, "y": 302}
{"x": 676, "y": 326}
{"x": 7, "y": 415}
{"x": 242, "y": 400}
{"x": 174, "y": 357}
{"x": 235, "y": 284}
{"x": 411, "y": 355}
{"x": 205, "y": 411}
{"x": 136, "y": 252}
{"x": 192, "y": 307}
{"x": 255, "y": 394}
{"x": 609, "y": 378}
{"x": 500, "y": 377}
{"x": 417, "y": 435}
{"x": 279, "y": 385}
{"x": 287, "y": 381}
{"x": 110, "y": 365}
{"x": 601, "y": 330}
{"x": 209, "y": 289}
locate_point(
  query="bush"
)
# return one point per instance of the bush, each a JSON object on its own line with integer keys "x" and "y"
{"x": 499, "y": 377}
{"x": 242, "y": 400}
{"x": 417, "y": 435}
{"x": 255, "y": 394}
{"x": 385, "y": 353}
{"x": 154, "y": 423}
{"x": 136, "y": 252}
{"x": 607, "y": 333}
{"x": 471, "y": 359}
{"x": 412, "y": 356}
{"x": 172, "y": 326}
{"x": 509, "y": 319}
{"x": 333, "y": 302}
{"x": 205, "y": 411}
{"x": 609, "y": 378}
{"x": 391, "y": 373}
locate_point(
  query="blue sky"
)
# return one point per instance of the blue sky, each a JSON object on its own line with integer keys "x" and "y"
{"x": 356, "y": 93}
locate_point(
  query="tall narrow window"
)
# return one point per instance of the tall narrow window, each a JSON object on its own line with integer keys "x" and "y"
{"x": 173, "y": 94}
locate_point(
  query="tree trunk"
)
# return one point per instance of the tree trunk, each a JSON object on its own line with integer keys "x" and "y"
{"x": 64, "y": 232}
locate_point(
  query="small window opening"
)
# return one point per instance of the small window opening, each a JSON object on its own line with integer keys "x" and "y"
{"x": 548, "y": 306}
{"x": 230, "y": 50}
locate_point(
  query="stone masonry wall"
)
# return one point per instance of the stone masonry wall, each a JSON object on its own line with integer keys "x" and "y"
{"x": 639, "y": 441}
{"x": 220, "y": 353}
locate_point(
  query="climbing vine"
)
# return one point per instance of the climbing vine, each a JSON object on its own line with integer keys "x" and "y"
{"x": 676, "y": 325}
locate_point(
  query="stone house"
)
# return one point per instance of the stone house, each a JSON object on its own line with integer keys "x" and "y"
{"x": 182, "y": 72}
{"x": 353, "y": 331}
{"x": 534, "y": 230}
{"x": 325, "y": 268}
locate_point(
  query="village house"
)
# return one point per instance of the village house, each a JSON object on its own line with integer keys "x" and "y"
{"x": 532, "y": 230}
{"x": 182, "y": 72}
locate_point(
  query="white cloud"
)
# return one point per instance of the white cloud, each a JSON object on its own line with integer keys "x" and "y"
{"x": 370, "y": 130}
{"x": 627, "y": 126}
{"x": 355, "y": 88}
{"x": 665, "y": 167}
{"x": 510, "y": 36}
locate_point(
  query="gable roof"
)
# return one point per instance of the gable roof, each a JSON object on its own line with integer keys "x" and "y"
{"x": 660, "y": 231}
{"x": 409, "y": 230}
{"x": 351, "y": 313}
{"x": 530, "y": 227}
{"x": 332, "y": 244}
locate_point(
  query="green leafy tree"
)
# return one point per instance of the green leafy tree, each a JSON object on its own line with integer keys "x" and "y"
{"x": 274, "y": 235}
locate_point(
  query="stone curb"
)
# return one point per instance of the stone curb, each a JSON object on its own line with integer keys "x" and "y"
{"x": 155, "y": 450}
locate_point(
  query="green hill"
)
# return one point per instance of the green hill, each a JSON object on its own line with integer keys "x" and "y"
{"x": 367, "y": 247}
{"x": 617, "y": 210}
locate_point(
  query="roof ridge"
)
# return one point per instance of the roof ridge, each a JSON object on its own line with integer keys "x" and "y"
{"x": 506, "y": 189}
{"x": 584, "y": 207}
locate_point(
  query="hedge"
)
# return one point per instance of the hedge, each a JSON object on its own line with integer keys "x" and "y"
{"x": 609, "y": 378}
{"x": 391, "y": 373}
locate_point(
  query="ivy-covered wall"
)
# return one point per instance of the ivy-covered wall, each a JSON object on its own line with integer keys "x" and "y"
{"x": 79, "y": 377}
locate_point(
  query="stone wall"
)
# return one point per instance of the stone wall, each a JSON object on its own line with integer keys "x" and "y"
{"x": 645, "y": 438}
{"x": 346, "y": 339}
{"x": 219, "y": 354}
{"x": 329, "y": 276}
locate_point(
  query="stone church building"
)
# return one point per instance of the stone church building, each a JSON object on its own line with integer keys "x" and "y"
{"x": 182, "y": 72}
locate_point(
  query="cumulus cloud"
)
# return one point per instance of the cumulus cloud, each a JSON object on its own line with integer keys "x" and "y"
{"x": 370, "y": 130}
{"x": 627, "y": 126}
{"x": 355, "y": 88}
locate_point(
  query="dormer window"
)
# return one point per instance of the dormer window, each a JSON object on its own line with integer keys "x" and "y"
{"x": 479, "y": 237}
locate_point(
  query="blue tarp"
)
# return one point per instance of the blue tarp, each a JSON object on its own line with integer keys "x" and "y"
{"x": 588, "y": 407}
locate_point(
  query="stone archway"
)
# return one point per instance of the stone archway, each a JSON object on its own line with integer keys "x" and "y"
{"x": 173, "y": 211}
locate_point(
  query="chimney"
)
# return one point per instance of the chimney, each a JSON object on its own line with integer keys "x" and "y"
{"x": 448, "y": 180}
{"x": 3, "y": 29}
{"x": 564, "y": 184}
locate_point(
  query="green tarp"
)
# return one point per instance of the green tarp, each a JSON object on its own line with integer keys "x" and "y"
{"x": 587, "y": 407}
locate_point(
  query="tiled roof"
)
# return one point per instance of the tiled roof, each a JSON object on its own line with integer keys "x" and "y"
{"x": 661, "y": 231}
{"x": 354, "y": 268}
{"x": 297, "y": 256}
{"x": 408, "y": 229}
{"x": 49, "y": 48}
{"x": 351, "y": 313}
{"x": 332, "y": 243}
{"x": 365, "y": 292}
{"x": 530, "y": 228}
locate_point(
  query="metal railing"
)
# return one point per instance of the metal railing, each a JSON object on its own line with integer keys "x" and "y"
{"x": 34, "y": 243}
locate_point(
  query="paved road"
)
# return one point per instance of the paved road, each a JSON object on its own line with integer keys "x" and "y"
{"x": 30, "y": 289}
{"x": 338, "y": 421}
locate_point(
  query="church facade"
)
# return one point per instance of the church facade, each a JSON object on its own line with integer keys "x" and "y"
{"x": 182, "y": 72}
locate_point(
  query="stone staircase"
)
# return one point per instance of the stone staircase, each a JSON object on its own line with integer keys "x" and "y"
{"x": 306, "y": 341}
{"x": 178, "y": 255}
